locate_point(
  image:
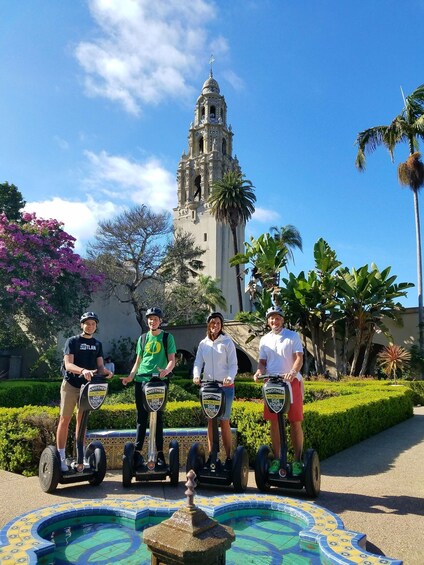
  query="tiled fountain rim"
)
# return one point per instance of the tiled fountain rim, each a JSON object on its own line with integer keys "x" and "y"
{"x": 20, "y": 541}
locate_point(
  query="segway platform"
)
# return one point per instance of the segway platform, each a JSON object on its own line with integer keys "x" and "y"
{"x": 92, "y": 396}
{"x": 276, "y": 395}
{"x": 213, "y": 471}
{"x": 155, "y": 393}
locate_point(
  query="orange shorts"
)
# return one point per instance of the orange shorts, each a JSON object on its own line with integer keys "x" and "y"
{"x": 295, "y": 413}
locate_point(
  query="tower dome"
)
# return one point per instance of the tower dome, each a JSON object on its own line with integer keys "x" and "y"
{"x": 210, "y": 86}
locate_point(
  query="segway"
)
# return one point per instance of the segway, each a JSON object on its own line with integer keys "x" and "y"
{"x": 213, "y": 472}
{"x": 92, "y": 396}
{"x": 276, "y": 394}
{"x": 155, "y": 395}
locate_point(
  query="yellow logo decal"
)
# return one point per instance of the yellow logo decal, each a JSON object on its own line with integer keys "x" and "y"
{"x": 153, "y": 347}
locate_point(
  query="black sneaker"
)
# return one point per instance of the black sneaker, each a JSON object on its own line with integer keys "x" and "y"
{"x": 161, "y": 459}
{"x": 228, "y": 464}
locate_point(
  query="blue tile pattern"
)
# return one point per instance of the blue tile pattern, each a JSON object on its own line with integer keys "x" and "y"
{"x": 321, "y": 530}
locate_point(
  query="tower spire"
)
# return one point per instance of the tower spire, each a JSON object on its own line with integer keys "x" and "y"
{"x": 211, "y": 61}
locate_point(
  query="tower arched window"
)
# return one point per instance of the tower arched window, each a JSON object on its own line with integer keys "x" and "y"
{"x": 201, "y": 145}
{"x": 212, "y": 112}
{"x": 198, "y": 187}
{"x": 224, "y": 146}
{"x": 203, "y": 114}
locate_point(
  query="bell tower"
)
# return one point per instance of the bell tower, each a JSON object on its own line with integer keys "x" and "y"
{"x": 209, "y": 157}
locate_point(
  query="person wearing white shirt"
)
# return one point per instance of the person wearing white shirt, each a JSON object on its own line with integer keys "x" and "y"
{"x": 281, "y": 353}
{"x": 216, "y": 357}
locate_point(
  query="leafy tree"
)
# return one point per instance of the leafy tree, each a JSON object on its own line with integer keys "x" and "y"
{"x": 44, "y": 284}
{"x": 135, "y": 255}
{"x": 11, "y": 201}
{"x": 407, "y": 127}
{"x": 368, "y": 297}
{"x": 190, "y": 303}
{"x": 182, "y": 261}
{"x": 310, "y": 301}
{"x": 268, "y": 255}
{"x": 232, "y": 202}
{"x": 211, "y": 293}
{"x": 129, "y": 250}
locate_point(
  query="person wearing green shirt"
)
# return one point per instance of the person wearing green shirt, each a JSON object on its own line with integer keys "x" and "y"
{"x": 153, "y": 358}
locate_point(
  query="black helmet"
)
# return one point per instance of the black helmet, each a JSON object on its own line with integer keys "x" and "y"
{"x": 274, "y": 310}
{"x": 155, "y": 311}
{"x": 89, "y": 316}
{"x": 215, "y": 315}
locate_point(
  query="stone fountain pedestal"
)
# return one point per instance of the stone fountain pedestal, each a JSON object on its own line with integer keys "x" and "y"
{"x": 189, "y": 536}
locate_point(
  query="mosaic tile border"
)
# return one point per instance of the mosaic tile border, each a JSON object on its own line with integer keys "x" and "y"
{"x": 20, "y": 542}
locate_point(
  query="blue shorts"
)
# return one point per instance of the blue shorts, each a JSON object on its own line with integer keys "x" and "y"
{"x": 229, "y": 397}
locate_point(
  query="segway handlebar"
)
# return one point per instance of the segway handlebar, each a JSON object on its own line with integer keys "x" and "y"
{"x": 273, "y": 377}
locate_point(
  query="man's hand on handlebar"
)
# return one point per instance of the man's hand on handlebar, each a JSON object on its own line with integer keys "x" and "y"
{"x": 87, "y": 374}
{"x": 257, "y": 376}
{"x": 196, "y": 380}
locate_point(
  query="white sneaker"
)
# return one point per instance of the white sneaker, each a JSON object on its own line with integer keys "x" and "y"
{"x": 63, "y": 466}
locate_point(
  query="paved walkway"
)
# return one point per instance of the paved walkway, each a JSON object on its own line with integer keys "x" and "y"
{"x": 376, "y": 487}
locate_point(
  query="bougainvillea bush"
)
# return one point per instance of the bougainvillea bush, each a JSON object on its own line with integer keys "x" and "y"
{"x": 44, "y": 284}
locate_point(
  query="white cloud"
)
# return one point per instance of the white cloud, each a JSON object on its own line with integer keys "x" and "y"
{"x": 80, "y": 219}
{"x": 139, "y": 183}
{"x": 265, "y": 215}
{"x": 147, "y": 51}
{"x": 115, "y": 184}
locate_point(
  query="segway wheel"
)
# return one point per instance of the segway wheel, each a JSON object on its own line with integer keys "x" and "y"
{"x": 174, "y": 462}
{"x": 128, "y": 464}
{"x": 49, "y": 469}
{"x": 98, "y": 461}
{"x": 262, "y": 469}
{"x": 240, "y": 469}
{"x": 195, "y": 458}
{"x": 312, "y": 473}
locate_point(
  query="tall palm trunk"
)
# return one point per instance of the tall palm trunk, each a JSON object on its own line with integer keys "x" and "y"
{"x": 419, "y": 271}
{"x": 238, "y": 276}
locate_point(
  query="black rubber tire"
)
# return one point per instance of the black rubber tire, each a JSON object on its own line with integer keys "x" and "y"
{"x": 262, "y": 468}
{"x": 49, "y": 472}
{"x": 240, "y": 469}
{"x": 128, "y": 464}
{"x": 174, "y": 462}
{"x": 312, "y": 473}
{"x": 195, "y": 458}
{"x": 99, "y": 462}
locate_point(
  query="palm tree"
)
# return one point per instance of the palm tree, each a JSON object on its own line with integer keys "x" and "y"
{"x": 232, "y": 202}
{"x": 407, "y": 127}
{"x": 211, "y": 293}
{"x": 289, "y": 236}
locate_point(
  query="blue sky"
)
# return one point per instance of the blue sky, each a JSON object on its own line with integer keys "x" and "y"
{"x": 97, "y": 97}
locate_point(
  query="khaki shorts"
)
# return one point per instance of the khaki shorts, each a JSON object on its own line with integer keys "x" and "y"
{"x": 69, "y": 398}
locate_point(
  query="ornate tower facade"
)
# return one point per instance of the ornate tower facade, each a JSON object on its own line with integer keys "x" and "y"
{"x": 209, "y": 157}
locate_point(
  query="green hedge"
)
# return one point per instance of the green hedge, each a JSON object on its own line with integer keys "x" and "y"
{"x": 330, "y": 425}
